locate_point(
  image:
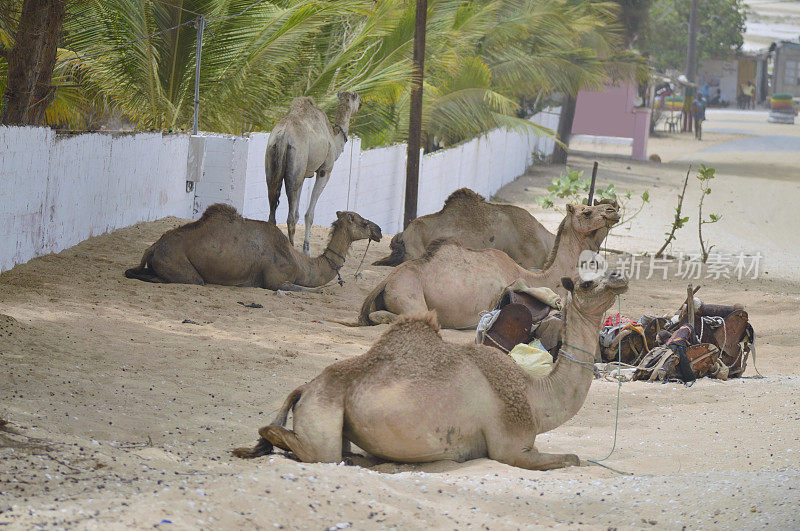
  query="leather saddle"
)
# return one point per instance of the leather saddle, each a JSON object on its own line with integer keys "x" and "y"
{"x": 519, "y": 312}
{"x": 734, "y": 336}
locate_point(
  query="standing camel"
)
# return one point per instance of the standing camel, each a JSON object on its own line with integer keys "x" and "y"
{"x": 301, "y": 144}
{"x": 461, "y": 284}
{"x": 222, "y": 247}
{"x": 414, "y": 397}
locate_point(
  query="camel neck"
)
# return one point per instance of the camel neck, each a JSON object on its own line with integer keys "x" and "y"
{"x": 563, "y": 259}
{"x": 343, "y": 117}
{"x": 322, "y": 269}
{"x": 558, "y": 396}
{"x": 566, "y": 248}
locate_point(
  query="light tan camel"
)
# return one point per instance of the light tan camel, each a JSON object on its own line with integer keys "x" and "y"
{"x": 414, "y": 397}
{"x": 461, "y": 284}
{"x": 224, "y": 248}
{"x": 475, "y": 223}
{"x": 300, "y": 144}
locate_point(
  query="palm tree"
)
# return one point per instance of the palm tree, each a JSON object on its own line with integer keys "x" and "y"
{"x": 136, "y": 59}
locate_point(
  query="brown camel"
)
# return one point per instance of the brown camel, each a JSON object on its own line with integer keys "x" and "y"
{"x": 478, "y": 224}
{"x": 414, "y": 397}
{"x": 222, "y": 247}
{"x": 301, "y": 144}
{"x": 461, "y": 284}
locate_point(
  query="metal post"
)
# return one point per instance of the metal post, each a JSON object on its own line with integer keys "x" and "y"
{"x": 415, "y": 118}
{"x": 691, "y": 65}
{"x": 200, "y": 23}
{"x": 594, "y": 180}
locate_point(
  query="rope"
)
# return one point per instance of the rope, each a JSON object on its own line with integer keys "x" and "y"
{"x": 355, "y": 275}
{"x": 616, "y": 418}
{"x": 585, "y": 364}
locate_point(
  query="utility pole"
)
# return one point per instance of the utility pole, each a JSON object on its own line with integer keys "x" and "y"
{"x": 691, "y": 63}
{"x": 415, "y": 118}
{"x": 691, "y": 48}
{"x": 200, "y": 23}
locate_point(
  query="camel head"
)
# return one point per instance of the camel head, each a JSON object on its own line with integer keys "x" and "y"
{"x": 587, "y": 220}
{"x": 350, "y": 101}
{"x": 594, "y": 297}
{"x": 356, "y": 227}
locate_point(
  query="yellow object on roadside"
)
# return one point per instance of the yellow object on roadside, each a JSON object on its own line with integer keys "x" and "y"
{"x": 536, "y": 361}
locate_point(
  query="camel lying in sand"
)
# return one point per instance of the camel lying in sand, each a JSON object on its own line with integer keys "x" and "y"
{"x": 478, "y": 224}
{"x": 461, "y": 284}
{"x": 224, "y": 248}
{"x": 414, "y": 397}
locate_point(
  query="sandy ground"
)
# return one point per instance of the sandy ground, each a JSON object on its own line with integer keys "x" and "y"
{"x": 122, "y": 413}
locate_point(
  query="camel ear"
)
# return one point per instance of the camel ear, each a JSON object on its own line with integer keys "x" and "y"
{"x": 596, "y": 202}
{"x": 567, "y": 283}
{"x": 339, "y": 95}
{"x": 570, "y": 208}
{"x": 339, "y": 214}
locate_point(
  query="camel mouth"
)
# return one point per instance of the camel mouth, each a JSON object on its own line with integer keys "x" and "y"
{"x": 612, "y": 220}
{"x": 375, "y": 234}
{"x": 617, "y": 284}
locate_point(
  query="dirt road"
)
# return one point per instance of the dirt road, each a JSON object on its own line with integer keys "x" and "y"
{"x": 124, "y": 399}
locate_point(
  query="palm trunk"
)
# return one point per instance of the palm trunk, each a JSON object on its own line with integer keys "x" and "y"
{"x": 31, "y": 62}
{"x": 565, "y": 121}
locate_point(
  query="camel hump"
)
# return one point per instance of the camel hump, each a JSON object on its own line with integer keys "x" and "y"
{"x": 426, "y": 320}
{"x": 433, "y": 247}
{"x": 463, "y": 194}
{"x": 222, "y": 210}
{"x": 302, "y": 102}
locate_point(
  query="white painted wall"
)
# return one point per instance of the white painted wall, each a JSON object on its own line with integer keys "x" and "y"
{"x": 56, "y": 192}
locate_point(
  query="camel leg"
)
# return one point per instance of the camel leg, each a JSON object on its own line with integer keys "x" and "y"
{"x": 382, "y": 317}
{"x": 274, "y": 199}
{"x": 319, "y": 184}
{"x": 178, "y": 270}
{"x": 288, "y": 286}
{"x": 294, "y": 210}
{"x": 518, "y": 452}
{"x": 317, "y": 433}
{"x": 404, "y": 294}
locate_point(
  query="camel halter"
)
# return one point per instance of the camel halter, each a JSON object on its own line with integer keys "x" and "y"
{"x": 338, "y": 129}
{"x": 585, "y": 364}
{"x": 333, "y": 264}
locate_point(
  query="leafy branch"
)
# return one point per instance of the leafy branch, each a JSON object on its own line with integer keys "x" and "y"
{"x": 575, "y": 189}
{"x": 704, "y": 175}
{"x": 679, "y": 221}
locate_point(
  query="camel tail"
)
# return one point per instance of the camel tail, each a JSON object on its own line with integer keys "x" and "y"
{"x": 144, "y": 271}
{"x": 263, "y": 446}
{"x": 276, "y": 164}
{"x": 373, "y": 302}
{"x": 398, "y": 256}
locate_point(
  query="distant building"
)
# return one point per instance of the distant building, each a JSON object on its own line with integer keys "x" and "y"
{"x": 729, "y": 75}
{"x": 785, "y": 68}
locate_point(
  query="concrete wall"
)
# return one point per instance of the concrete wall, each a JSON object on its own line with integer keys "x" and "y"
{"x": 58, "y": 191}
{"x": 372, "y": 182}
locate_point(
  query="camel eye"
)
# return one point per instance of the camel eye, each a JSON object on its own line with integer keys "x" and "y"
{"x": 586, "y": 285}
{"x": 587, "y": 213}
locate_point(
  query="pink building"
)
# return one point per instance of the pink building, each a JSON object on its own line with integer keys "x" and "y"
{"x": 613, "y": 113}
